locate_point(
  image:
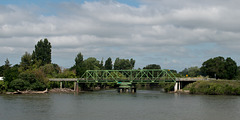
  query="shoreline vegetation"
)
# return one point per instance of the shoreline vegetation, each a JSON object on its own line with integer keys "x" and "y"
{"x": 32, "y": 73}
{"x": 214, "y": 87}
{"x": 205, "y": 87}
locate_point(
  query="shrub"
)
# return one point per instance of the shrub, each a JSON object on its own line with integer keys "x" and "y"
{"x": 19, "y": 84}
{"x": 219, "y": 87}
{"x": 167, "y": 86}
{"x": 38, "y": 86}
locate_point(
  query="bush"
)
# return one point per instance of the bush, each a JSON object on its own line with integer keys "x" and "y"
{"x": 38, "y": 86}
{"x": 167, "y": 86}
{"x": 219, "y": 87}
{"x": 19, "y": 84}
{"x": 2, "y": 88}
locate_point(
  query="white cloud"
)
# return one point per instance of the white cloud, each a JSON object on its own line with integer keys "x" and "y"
{"x": 182, "y": 33}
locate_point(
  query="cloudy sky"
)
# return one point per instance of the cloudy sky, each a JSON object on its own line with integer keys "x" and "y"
{"x": 175, "y": 34}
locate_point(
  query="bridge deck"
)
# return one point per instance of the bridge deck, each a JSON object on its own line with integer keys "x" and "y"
{"x": 193, "y": 79}
{"x": 83, "y": 80}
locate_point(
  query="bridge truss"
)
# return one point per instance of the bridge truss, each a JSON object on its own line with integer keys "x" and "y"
{"x": 132, "y": 76}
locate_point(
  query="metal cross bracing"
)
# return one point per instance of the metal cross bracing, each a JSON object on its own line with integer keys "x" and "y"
{"x": 132, "y": 76}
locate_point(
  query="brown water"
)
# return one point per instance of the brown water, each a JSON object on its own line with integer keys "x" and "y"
{"x": 110, "y": 105}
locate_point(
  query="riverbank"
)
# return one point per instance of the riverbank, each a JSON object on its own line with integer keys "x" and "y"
{"x": 214, "y": 87}
{"x": 55, "y": 90}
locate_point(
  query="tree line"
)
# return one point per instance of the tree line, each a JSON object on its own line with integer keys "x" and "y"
{"x": 218, "y": 67}
{"x": 34, "y": 69}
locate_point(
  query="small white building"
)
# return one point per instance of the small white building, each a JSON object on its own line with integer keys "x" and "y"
{"x": 1, "y": 78}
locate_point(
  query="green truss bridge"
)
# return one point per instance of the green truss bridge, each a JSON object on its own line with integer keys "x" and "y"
{"x": 133, "y": 76}
{"x": 125, "y": 78}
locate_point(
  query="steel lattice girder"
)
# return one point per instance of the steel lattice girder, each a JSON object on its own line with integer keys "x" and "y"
{"x": 133, "y": 76}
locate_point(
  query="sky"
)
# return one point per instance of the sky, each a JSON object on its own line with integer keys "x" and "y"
{"x": 174, "y": 34}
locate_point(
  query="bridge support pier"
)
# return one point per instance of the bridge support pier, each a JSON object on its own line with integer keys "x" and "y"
{"x": 177, "y": 86}
{"x": 76, "y": 86}
{"x": 126, "y": 90}
{"x": 61, "y": 85}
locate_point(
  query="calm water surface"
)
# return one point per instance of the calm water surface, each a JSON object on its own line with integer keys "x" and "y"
{"x": 110, "y": 105}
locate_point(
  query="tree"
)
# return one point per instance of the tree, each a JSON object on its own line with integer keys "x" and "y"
{"x": 218, "y": 67}
{"x": 10, "y": 74}
{"x": 152, "y": 66}
{"x": 7, "y": 64}
{"x": 117, "y": 64}
{"x": 1, "y": 70}
{"x": 231, "y": 68}
{"x": 101, "y": 65}
{"x": 123, "y": 64}
{"x": 132, "y": 62}
{"x": 26, "y": 61}
{"x": 42, "y": 52}
{"x": 193, "y": 71}
{"x": 108, "y": 64}
{"x": 184, "y": 72}
{"x": 79, "y": 64}
{"x": 92, "y": 64}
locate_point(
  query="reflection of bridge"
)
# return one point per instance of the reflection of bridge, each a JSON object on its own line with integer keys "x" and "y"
{"x": 125, "y": 78}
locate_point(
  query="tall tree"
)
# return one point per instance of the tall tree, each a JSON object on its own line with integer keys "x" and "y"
{"x": 10, "y": 73}
{"x": 26, "y": 61}
{"x": 231, "y": 68}
{"x": 218, "y": 67}
{"x": 92, "y": 64}
{"x": 101, "y": 65}
{"x": 132, "y": 62}
{"x": 42, "y": 52}
{"x": 79, "y": 64}
{"x": 7, "y": 64}
{"x": 108, "y": 64}
{"x": 117, "y": 64}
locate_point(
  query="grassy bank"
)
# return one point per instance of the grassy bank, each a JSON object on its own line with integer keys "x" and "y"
{"x": 215, "y": 87}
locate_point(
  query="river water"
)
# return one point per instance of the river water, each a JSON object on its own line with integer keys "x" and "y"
{"x": 110, "y": 105}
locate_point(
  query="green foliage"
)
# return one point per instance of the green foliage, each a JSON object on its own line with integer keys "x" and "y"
{"x": 231, "y": 68}
{"x": 50, "y": 70}
{"x": 191, "y": 72}
{"x": 10, "y": 74}
{"x": 28, "y": 76}
{"x": 2, "y": 87}
{"x": 194, "y": 71}
{"x": 1, "y": 70}
{"x": 66, "y": 74}
{"x": 167, "y": 86}
{"x": 152, "y": 66}
{"x": 26, "y": 61}
{"x": 79, "y": 65}
{"x": 108, "y": 64}
{"x": 19, "y": 84}
{"x": 124, "y": 64}
{"x": 38, "y": 86}
{"x": 42, "y": 52}
{"x": 92, "y": 64}
{"x": 36, "y": 78}
{"x": 53, "y": 84}
{"x": 218, "y": 67}
{"x": 219, "y": 87}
